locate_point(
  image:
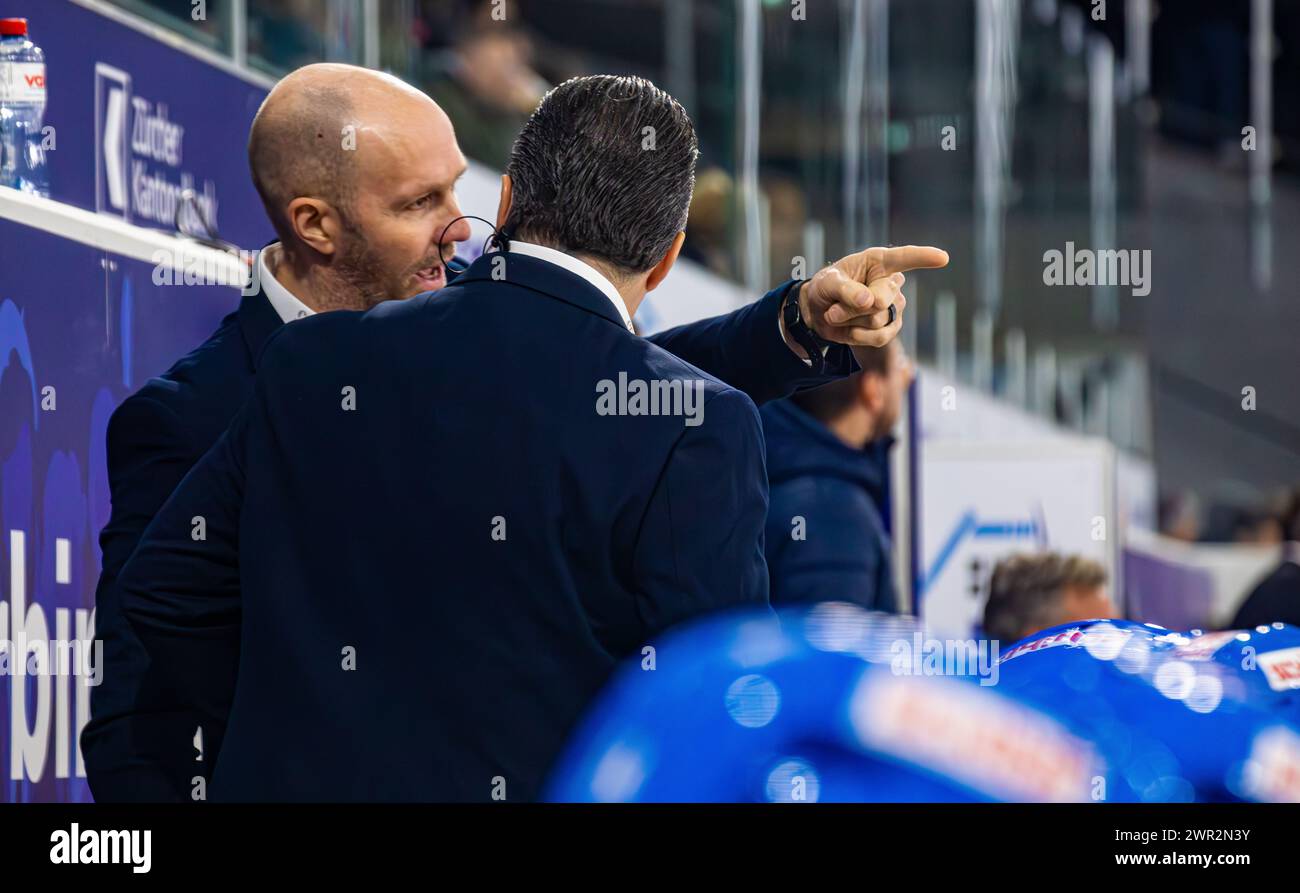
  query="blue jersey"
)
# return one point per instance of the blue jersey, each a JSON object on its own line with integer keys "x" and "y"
{"x": 813, "y": 705}
{"x": 1175, "y": 716}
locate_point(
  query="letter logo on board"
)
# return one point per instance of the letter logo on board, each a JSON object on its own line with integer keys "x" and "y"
{"x": 112, "y": 101}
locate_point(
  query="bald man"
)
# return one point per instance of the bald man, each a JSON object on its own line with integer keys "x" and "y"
{"x": 357, "y": 171}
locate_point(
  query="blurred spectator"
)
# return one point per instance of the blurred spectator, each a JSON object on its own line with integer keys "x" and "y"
{"x": 208, "y": 28}
{"x": 1277, "y": 598}
{"x": 1201, "y": 65}
{"x": 488, "y": 87}
{"x": 1180, "y": 517}
{"x": 1250, "y": 522}
{"x": 1259, "y": 527}
{"x": 787, "y": 214}
{"x": 1028, "y": 593}
{"x": 1286, "y": 85}
{"x": 706, "y": 227}
{"x": 286, "y": 34}
{"x": 825, "y": 537}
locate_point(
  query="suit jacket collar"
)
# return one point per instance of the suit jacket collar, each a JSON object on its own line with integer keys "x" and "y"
{"x": 257, "y": 321}
{"x": 258, "y": 318}
{"x": 543, "y": 277}
{"x": 286, "y": 303}
{"x": 579, "y": 268}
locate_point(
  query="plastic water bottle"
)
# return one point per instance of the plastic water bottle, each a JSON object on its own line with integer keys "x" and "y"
{"x": 22, "y": 109}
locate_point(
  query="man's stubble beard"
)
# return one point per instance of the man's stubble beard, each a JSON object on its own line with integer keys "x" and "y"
{"x": 362, "y": 278}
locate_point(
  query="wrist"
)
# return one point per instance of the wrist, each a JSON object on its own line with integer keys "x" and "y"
{"x": 798, "y": 335}
{"x": 795, "y": 347}
{"x": 805, "y": 301}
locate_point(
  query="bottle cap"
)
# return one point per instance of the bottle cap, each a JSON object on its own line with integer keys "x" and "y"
{"x": 13, "y": 27}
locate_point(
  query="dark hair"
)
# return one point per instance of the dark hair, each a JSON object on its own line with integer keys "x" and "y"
{"x": 605, "y": 166}
{"x": 1026, "y": 591}
{"x": 829, "y": 401}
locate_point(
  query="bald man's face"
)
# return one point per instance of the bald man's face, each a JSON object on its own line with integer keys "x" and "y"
{"x": 407, "y": 166}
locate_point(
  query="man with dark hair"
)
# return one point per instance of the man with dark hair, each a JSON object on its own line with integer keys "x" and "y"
{"x": 431, "y": 562}
{"x": 827, "y": 466}
{"x": 556, "y": 194}
{"x": 1028, "y": 593}
{"x": 357, "y": 171}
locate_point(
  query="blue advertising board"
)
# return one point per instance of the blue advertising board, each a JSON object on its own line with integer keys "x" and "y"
{"x": 135, "y": 120}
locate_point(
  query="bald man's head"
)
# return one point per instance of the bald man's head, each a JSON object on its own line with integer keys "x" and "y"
{"x": 295, "y": 147}
{"x": 357, "y": 170}
{"x": 304, "y": 138}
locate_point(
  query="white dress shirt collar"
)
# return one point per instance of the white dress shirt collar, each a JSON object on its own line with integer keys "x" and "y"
{"x": 578, "y": 268}
{"x": 286, "y": 305}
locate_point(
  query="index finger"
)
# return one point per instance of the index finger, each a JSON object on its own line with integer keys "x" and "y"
{"x": 913, "y": 257}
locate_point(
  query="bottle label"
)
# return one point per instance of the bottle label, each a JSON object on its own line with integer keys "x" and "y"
{"x": 22, "y": 82}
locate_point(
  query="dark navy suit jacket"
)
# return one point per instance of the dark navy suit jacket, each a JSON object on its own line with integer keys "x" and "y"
{"x": 432, "y": 563}
{"x": 158, "y": 434}
{"x": 154, "y": 439}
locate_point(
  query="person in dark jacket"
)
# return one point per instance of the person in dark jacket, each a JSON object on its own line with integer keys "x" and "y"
{"x": 826, "y": 538}
{"x": 1277, "y": 598}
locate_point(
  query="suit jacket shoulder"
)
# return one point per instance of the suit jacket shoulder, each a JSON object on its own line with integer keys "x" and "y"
{"x": 204, "y": 388}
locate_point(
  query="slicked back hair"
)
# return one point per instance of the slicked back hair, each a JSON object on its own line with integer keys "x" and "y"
{"x": 605, "y": 166}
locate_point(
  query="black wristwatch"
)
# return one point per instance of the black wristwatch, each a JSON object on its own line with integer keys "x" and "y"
{"x": 803, "y": 335}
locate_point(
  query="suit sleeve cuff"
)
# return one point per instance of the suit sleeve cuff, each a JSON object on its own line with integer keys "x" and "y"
{"x": 839, "y": 360}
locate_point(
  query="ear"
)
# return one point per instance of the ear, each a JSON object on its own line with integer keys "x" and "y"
{"x": 315, "y": 223}
{"x": 503, "y": 207}
{"x": 871, "y": 391}
{"x": 660, "y": 270}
